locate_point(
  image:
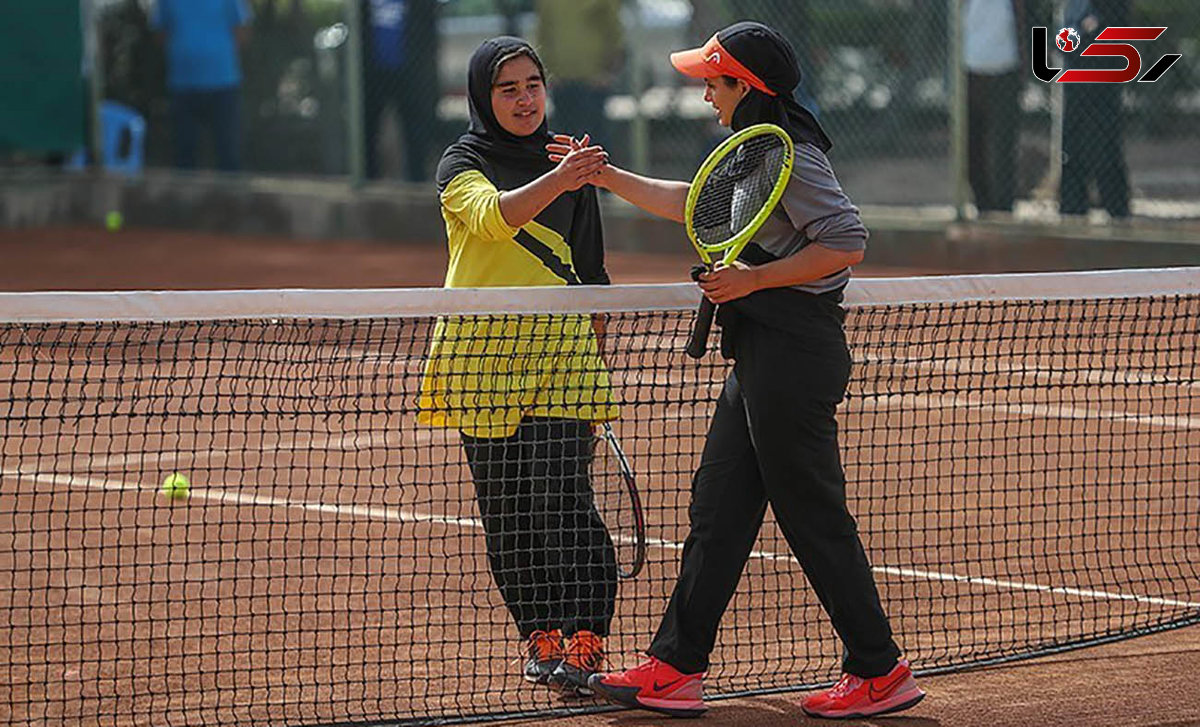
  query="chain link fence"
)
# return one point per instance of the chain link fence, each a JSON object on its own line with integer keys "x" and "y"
{"x": 928, "y": 103}
{"x": 293, "y": 107}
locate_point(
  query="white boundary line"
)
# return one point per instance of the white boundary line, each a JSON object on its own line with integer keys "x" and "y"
{"x": 1043, "y": 374}
{"x": 51, "y": 307}
{"x": 1052, "y": 410}
{"x": 392, "y": 514}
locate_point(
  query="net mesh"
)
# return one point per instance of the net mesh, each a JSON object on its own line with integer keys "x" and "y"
{"x": 1024, "y": 472}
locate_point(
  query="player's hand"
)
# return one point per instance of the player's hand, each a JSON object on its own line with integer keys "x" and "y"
{"x": 565, "y": 146}
{"x": 729, "y": 283}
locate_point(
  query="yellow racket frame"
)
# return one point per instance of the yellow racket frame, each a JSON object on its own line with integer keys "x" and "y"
{"x": 734, "y": 245}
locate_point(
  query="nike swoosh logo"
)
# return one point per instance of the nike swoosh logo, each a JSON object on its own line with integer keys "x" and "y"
{"x": 660, "y": 687}
{"x": 714, "y": 57}
{"x": 880, "y": 694}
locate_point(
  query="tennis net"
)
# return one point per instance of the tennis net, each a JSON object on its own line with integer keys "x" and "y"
{"x": 1022, "y": 452}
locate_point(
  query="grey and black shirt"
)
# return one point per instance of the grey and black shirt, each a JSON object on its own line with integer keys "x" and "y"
{"x": 814, "y": 209}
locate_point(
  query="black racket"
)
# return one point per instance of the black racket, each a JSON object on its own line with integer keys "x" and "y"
{"x": 618, "y": 501}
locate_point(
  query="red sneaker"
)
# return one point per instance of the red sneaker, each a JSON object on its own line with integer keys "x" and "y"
{"x": 857, "y": 697}
{"x": 654, "y": 685}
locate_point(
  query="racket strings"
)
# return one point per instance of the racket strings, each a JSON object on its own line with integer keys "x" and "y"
{"x": 737, "y": 189}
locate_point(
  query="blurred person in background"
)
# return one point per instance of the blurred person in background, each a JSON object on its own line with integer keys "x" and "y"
{"x": 583, "y": 42}
{"x": 400, "y": 69}
{"x": 204, "y": 76}
{"x": 1093, "y": 143}
{"x": 993, "y": 34}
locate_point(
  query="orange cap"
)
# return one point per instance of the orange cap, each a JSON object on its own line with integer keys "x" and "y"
{"x": 714, "y": 60}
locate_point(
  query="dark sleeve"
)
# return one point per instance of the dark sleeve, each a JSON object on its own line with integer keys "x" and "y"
{"x": 456, "y": 160}
{"x": 1111, "y": 12}
{"x": 587, "y": 239}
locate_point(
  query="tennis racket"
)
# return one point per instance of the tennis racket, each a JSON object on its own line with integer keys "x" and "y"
{"x": 730, "y": 198}
{"x": 618, "y": 501}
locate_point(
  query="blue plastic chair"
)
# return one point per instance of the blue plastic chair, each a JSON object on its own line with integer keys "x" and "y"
{"x": 117, "y": 120}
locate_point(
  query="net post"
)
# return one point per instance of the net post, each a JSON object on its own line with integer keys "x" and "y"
{"x": 958, "y": 113}
{"x": 355, "y": 141}
{"x": 640, "y": 128}
{"x": 94, "y": 53}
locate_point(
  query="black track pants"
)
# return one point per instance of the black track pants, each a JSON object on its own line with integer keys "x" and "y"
{"x": 548, "y": 549}
{"x": 773, "y": 440}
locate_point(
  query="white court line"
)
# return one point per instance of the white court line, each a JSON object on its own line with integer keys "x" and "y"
{"x": 401, "y": 515}
{"x": 336, "y": 444}
{"x": 911, "y": 402}
{"x": 961, "y": 364}
{"x": 1018, "y": 585}
{"x": 69, "y": 482}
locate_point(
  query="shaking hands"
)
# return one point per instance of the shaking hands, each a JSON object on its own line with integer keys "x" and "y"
{"x": 579, "y": 162}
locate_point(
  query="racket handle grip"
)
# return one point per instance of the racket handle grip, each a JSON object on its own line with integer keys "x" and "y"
{"x": 698, "y": 341}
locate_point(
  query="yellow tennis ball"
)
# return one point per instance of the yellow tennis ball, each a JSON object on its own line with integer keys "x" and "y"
{"x": 176, "y": 486}
{"x": 113, "y": 220}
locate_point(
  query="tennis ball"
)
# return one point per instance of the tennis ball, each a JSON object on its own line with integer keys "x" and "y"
{"x": 176, "y": 486}
{"x": 113, "y": 220}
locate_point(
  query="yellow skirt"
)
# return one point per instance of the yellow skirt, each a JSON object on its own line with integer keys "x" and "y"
{"x": 485, "y": 374}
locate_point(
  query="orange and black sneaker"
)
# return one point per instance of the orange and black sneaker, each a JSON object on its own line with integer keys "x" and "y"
{"x": 545, "y": 653}
{"x": 583, "y": 657}
{"x": 654, "y": 685}
{"x": 855, "y": 697}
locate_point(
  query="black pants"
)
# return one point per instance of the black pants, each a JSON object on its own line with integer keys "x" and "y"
{"x": 1093, "y": 149}
{"x": 993, "y": 120}
{"x": 773, "y": 439}
{"x": 549, "y": 551}
{"x": 220, "y": 111}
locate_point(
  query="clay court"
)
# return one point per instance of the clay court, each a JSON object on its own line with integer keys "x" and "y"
{"x": 360, "y": 600}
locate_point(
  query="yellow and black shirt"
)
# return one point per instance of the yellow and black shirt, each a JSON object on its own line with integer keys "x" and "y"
{"x": 485, "y": 374}
{"x": 563, "y": 245}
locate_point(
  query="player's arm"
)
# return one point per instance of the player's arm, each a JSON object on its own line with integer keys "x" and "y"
{"x": 809, "y": 264}
{"x": 662, "y": 197}
{"x": 575, "y": 169}
{"x": 818, "y": 208}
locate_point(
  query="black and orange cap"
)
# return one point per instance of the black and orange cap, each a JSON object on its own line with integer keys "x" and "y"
{"x": 751, "y": 51}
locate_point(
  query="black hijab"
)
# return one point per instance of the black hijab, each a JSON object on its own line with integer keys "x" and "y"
{"x": 770, "y": 56}
{"x": 486, "y": 144}
{"x": 510, "y": 161}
